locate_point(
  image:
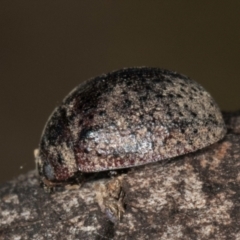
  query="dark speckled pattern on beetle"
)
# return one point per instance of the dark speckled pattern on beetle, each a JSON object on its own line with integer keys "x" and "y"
{"x": 127, "y": 118}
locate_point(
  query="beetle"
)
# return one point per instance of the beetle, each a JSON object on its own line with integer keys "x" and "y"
{"x": 126, "y": 118}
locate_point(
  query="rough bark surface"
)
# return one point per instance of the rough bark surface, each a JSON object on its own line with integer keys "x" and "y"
{"x": 196, "y": 196}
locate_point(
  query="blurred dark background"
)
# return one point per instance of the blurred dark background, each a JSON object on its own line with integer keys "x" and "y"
{"x": 49, "y": 47}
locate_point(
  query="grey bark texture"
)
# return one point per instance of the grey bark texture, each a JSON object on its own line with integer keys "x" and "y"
{"x": 196, "y": 196}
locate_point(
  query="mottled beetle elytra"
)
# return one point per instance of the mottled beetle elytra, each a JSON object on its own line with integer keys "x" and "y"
{"x": 126, "y": 118}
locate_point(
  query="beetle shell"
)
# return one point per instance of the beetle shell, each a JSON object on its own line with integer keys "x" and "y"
{"x": 127, "y": 118}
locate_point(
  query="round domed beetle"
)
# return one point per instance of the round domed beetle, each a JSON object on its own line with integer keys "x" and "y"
{"x": 126, "y": 118}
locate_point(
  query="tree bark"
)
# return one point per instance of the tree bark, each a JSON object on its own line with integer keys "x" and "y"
{"x": 196, "y": 196}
